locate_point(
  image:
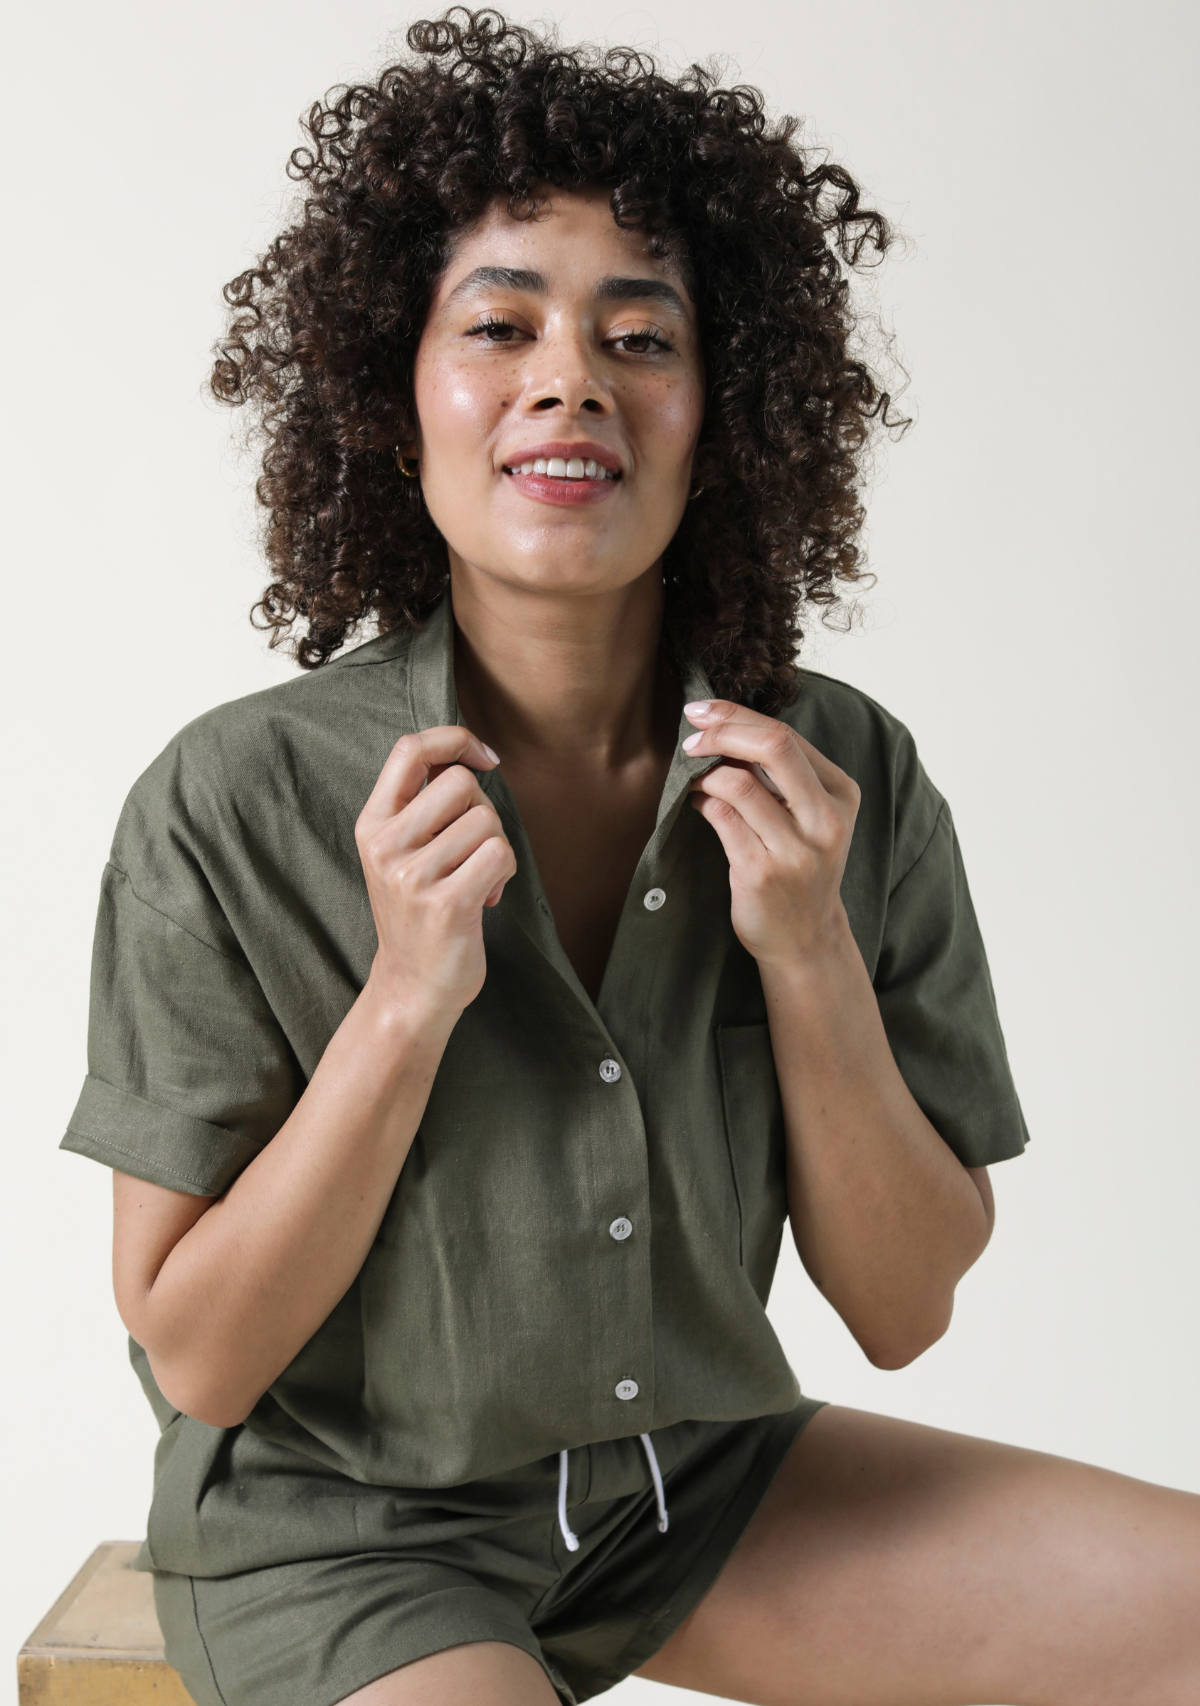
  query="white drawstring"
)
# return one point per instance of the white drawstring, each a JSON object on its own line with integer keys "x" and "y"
{"x": 656, "y": 1477}
{"x": 571, "y": 1539}
{"x": 660, "y": 1497}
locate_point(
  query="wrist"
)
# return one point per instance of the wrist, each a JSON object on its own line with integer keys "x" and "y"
{"x": 405, "y": 1016}
{"x": 827, "y": 951}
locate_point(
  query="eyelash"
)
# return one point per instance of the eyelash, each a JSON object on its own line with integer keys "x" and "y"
{"x": 497, "y": 321}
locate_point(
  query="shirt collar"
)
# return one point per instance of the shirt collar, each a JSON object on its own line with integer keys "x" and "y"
{"x": 434, "y": 702}
{"x": 434, "y": 698}
{"x": 432, "y": 694}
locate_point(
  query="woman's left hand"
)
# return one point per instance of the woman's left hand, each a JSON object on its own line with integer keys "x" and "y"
{"x": 786, "y": 853}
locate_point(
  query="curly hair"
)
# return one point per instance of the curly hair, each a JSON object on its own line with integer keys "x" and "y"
{"x": 323, "y": 331}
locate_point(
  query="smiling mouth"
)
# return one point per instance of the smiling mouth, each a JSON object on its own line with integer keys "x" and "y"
{"x": 563, "y": 468}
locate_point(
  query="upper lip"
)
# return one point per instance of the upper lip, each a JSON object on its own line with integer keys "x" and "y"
{"x": 585, "y": 448}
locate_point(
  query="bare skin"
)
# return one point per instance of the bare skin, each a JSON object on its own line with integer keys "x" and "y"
{"x": 887, "y": 1562}
{"x": 897, "y": 1565}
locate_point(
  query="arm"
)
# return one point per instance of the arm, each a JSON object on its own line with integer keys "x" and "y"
{"x": 885, "y": 1217}
{"x": 222, "y": 1293}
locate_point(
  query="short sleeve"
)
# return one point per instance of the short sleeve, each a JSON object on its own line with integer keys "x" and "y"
{"x": 939, "y": 1010}
{"x": 189, "y": 1073}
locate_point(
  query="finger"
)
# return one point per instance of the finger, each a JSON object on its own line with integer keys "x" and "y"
{"x": 765, "y": 814}
{"x": 733, "y": 731}
{"x": 804, "y": 777}
{"x": 833, "y": 780}
{"x": 484, "y": 874}
{"x": 410, "y": 762}
{"x": 742, "y": 846}
{"x": 455, "y": 845}
{"x": 447, "y": 797}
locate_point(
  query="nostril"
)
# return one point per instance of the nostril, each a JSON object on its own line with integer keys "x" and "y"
{"x": 548, "y": 403}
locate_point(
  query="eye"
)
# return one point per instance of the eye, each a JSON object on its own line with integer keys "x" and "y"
{"x": 647, "y": 341}
{"x": 494, "y": 329}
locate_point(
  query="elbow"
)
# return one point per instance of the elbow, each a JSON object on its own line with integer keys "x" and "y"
{"x": 900, "y": 1343}
{"x": 217, "y": 1416}
{"x": 202, "y": 1399}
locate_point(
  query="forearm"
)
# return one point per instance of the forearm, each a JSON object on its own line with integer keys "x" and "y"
{"x": 885, "y": 1217}
{"x": 247, "y": 1286}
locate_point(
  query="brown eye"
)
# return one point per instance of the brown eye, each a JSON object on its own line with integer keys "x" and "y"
{"x": 642, "y": 343}
{"x": 494, "y": 331}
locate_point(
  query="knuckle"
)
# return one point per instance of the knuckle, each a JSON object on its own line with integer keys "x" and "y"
{"x": 460, "y": 784}
{"x": 368, "y": 850}
{"x": 779, "y": 740}
{"x": 405, "y": 878}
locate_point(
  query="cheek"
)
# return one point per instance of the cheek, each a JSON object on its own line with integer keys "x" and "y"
{"x": 673, "y": 413}
{"x": 456, "y": 405}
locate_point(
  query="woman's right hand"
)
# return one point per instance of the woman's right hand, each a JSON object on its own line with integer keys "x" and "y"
{"x": 434, "y": 854}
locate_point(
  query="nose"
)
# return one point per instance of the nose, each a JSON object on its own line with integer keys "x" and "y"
{"x": 565, "y": 377}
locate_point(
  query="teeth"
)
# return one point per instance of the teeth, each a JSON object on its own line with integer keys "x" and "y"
{"x": 559, "y": 468}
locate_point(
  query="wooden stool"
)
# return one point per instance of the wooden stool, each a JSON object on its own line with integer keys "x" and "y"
{"x": 99, "y": 1644}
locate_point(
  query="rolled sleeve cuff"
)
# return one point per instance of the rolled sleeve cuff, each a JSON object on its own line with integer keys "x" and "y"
{"x": 154, "y": 1143}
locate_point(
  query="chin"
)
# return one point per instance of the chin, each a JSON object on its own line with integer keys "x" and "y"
{"x": 569, "y": 570}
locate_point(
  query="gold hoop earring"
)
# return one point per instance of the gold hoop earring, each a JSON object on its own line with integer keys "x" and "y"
{"x": 696, "y": 493}
{"x": 402, "y": 464}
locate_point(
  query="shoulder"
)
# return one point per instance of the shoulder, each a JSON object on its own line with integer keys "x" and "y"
{"x": 247, "y": 773}
{"x": 900, "y": 805}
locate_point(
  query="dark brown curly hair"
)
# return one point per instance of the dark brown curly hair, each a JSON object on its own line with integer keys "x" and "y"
{"x": 324, "y": 330}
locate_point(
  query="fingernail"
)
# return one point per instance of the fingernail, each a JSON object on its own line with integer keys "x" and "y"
{"x": 697, "y": 708}
{"x": 494, "y": 756}
{"x": 693, "y": 741}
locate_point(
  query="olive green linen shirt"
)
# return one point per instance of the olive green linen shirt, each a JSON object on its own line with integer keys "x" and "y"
{"x": 582, "y": 1238}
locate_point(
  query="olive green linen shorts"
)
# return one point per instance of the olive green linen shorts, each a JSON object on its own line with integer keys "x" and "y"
{"x": 487, "y": 1562}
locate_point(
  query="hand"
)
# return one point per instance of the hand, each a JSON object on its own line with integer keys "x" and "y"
{"x": 787, "y": 843}
{"x": 433, "y": 856}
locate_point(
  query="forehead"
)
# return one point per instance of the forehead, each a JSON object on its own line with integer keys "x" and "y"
{"x": 572, "y": 240}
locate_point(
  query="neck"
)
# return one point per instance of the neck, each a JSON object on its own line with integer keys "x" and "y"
{"x": 576, "y": 680}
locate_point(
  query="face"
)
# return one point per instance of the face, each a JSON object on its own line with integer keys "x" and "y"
{"x": 559, "y": 390}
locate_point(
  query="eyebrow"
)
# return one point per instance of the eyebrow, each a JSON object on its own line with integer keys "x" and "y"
{"x": 608, "y": 289}
{"x": 640, "y": 290}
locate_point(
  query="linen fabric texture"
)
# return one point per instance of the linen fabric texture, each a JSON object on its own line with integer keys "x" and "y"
{"x": 393, "y": 1576}
{"x": 495, "y": 1316}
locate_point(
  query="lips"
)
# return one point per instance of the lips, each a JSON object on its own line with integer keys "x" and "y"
{"x": 565, "y": 460}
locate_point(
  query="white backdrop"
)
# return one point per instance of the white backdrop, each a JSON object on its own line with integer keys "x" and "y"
{"x": 1034, "y": 623}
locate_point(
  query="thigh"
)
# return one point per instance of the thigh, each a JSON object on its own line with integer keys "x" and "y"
{"x": 897, "y": 1565}
{"x": 485, "y": 1673}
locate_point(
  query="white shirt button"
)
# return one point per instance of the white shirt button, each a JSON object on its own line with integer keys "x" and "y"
{"x": 653, "y": 899}
{"x": 610, "y": 1071}
{"x": 627, "y": 1389}
{"x": 620, "y": 1229}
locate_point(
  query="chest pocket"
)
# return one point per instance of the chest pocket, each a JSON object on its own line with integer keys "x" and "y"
{"x": 754, "y": 1134}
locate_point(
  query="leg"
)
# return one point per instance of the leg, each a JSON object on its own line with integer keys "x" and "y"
{"x": 896, "y": 1565}
{"x": 486, "y": 1673}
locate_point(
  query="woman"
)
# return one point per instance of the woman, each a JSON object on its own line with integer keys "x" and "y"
{"x": 456, "y": 1102}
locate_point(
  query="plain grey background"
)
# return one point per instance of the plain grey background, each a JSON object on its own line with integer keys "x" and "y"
{"x": 1034, "y": 623}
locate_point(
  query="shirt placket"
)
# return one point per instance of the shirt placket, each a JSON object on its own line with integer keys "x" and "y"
{"x": 626, "y": 1367}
